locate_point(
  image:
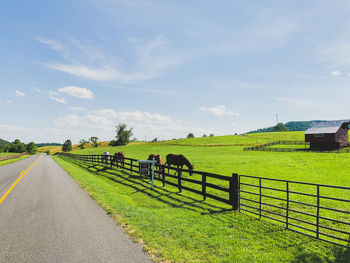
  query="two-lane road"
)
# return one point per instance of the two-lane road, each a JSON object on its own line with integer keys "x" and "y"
{"x": 47, "y": 217}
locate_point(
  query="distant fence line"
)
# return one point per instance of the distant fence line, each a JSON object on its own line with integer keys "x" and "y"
{"x": 263, "y": 147}
{"x": 251, "y": 195}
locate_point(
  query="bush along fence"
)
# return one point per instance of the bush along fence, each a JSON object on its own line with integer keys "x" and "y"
{"x": 319, "y": 211}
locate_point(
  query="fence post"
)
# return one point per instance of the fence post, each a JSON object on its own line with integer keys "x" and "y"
{"x": 234, "y": 192}
{"x": 163, "y": 174}
{"x": 318, "y": 211}
{"x": 259, "y": 197}
{"x": 179, "y": 174}
{"x": 204, "y": 186}
{"x": 287, "y": 205}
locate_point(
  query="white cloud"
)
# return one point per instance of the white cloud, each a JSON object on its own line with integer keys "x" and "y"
{"x": 37, "y": 89}
{"x": 337, "y": 73}
{"x": 77, "y": 108}
{"x": 81, "y": 93}
{"x": 219, "y": 111}
{"x": 52, "y": 93}
{"x": 59, "y": 100}
{"x": 52, "y": 44}
{"x": 106, "y": 112}
{"x": 151, "y": 60}
{"x": 20, "y": 93}
{"x": 87, "y": 121}
{"x": 146, "y": 117}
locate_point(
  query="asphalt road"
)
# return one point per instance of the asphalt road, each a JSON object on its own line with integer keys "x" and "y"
{"x": 47, "y": 217}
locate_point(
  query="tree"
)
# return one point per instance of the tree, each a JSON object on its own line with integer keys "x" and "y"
{"x": 31, "y": 148}
{"x": 94, "y": 141}
{"x": 82, "y": 144}
{"x": 67, "y": 146}
{"x": 280, "y": 127}
{"x": 211, "y": 135}
{"x": 155, "y": 140}
{"x": 123, "y": 135}
{"x": 190, "y": 135}
{"x": 17, "y": 147}
{"x": 204, "y": 135}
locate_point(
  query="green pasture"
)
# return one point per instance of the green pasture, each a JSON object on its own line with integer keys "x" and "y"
{"x": 224, "y": 155}
{"x": 181, "y": 227}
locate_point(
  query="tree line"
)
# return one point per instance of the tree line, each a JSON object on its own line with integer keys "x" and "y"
{"x": 18, "y": 147}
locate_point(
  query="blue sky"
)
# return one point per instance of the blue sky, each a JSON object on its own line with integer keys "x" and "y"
{"x": 73, "y": 69}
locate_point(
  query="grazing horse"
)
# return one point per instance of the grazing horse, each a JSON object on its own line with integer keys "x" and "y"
{"x": 118, "y": 157}
{"x": 179, "y": 161}
{"x": 159, "y": 160}
{"x": 104, "y": 157}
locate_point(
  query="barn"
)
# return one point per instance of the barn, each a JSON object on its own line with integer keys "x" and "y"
{"x": 328, "y": 135}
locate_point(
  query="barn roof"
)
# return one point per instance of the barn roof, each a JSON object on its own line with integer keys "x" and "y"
{"x": 326, "y": 126}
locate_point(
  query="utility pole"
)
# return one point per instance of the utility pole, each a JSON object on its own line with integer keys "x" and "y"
{"x": 277, "y": 118}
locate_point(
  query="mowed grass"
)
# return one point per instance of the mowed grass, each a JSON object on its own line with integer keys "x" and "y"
{"x": 1, "y": 154}
{"x": 181, "y": 227}
{"x": 4, "y": 162}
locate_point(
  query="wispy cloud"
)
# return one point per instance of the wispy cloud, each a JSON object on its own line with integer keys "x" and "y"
{"x": 20, "y": 93}
{"x": 76, "y": 108}
{"x": 81, "y": 93}
{"x": 151, "y": 60}
{"x": 59, "y": 100}
{"x": 220, "y": 110}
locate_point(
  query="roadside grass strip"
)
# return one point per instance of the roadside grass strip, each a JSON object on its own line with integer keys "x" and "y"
{"x": 181, "y": 227}
{"x": 13, "y": 160}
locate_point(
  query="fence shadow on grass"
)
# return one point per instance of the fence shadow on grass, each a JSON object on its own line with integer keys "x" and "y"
{"x": 142, "y": 185}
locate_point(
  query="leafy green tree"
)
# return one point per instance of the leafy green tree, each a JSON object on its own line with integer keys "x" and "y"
{"x": 211, "y": 135}
{"x": 190, "y": 135}
{"x": 204, "y": 135}
{"x": 17, "y": 147}
{"x": 82, "y": 144}
{"x": 155, "y": 140}
{"x": 94, "y": 141}
{"x": 67, "y": 146}
{"x": 280, "y": 127}
{"x": 123, "y": 135}
{"x": 31, "y": 148}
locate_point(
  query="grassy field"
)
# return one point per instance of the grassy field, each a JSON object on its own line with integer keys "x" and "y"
{"x": 13, "y": 160}
{"x": 225, "y": 155}
{"x": 180, "y": 227}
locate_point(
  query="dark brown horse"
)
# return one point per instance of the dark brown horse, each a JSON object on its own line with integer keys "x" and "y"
{"x": 159, "y": 160}
{"x": 118, "y": 157}
{"x": 179, "y": 161}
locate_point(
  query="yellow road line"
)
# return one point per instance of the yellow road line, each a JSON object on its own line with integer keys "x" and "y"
{"x": 14, "y": 184}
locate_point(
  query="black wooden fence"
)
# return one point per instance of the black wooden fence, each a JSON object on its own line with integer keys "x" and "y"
{"x": 316, "y": 210}
{"x": 226, "y": 188}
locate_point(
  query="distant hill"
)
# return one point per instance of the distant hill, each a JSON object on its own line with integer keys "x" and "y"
{"x": 292, "y": 126}
{"x": 48, "y": 144}
{"x": 3, "y": 142}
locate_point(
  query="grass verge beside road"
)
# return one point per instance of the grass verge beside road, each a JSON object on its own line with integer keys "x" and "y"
{"x": 180, "y": 227}
{"x": 13, "y": 160}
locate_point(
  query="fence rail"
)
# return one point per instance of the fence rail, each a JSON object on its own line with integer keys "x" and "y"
{"x": 316, "y": 210}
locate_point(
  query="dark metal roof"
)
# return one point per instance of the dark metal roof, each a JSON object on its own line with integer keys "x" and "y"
{"x": 326, "y": 126}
